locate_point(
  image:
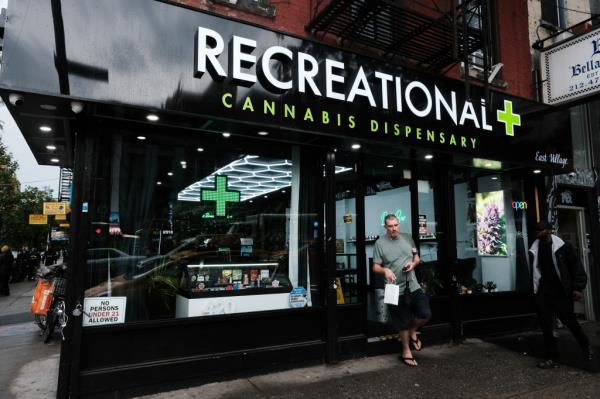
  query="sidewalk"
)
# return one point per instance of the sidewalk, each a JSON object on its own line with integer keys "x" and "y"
{"x": 15, "y": 307}
{"x": 502, "y": 367}
{"x": 474, "y": 369}
{"x": 29, "y": 368}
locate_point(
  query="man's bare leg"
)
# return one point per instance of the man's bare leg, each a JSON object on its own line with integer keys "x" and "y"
{"x": 406, "y": 353}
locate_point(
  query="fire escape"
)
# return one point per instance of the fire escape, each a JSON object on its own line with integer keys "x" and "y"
{"x": 428, "y": 35}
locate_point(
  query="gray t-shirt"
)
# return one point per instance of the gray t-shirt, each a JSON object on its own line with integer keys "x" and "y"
{"x": 395, "y": 254}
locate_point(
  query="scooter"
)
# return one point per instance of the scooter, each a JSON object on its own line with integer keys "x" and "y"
{"x": 51, "y": 287}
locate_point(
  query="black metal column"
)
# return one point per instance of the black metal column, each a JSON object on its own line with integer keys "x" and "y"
{"x": 331, "y": 352}
{"x": 70, "y": 354}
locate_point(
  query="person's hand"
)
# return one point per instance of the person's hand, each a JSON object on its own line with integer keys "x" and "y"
{"x": 389, "y": 275}
{"x": 408, "y": 267}
{"x": 577, "y": 295}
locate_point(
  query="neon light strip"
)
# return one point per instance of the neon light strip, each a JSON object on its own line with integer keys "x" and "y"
{"x": 230, "y": 265}
{"x": 252, "y": 176}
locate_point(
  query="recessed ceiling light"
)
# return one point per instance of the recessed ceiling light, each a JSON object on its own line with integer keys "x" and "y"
{"x": 169, "y": 173}
{"x": 48, "y": 107}
{"x": 266, "y": 196}
{"x": 263, "y": 133}
{"x": 141, "y": 137}
{"x": 335, "y": 150}
{"x": 158, "y": 183}
{"x": 537, "y": 171}
{"x": 45, "y": 128}
{"x": 51, "y": 147}
{"x": 199, "y": 149}
{"x": 55, "y": 160}
{"x": 390, "y": 166}
{"x": 283, "y": 191}
{"x": 428, "y": 156}
{"x": 183, "y": 162}
{"x": 355, "y": 146}
{"x": 152, "y": 117}
{"x": 226, "y": 134}
{"x": 494, "y": 177}
{"x": 251, "y": 201}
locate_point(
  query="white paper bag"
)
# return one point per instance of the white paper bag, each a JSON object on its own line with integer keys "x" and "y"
{"x": 391, "y": 294}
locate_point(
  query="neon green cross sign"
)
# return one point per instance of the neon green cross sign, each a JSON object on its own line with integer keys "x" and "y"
{"x": 509, "y": 119}
{"x": 220, "y": 195}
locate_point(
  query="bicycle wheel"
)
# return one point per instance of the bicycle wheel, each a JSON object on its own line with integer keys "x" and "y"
{"x": 40, "y": 320}
{"x": 51, "y": 320}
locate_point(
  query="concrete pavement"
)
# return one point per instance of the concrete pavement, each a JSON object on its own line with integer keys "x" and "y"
{"x": 503, "y": 367}
{"x": 29, "y": 368}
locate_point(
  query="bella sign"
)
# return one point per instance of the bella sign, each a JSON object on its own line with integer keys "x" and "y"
{"x": 572, "y": 70}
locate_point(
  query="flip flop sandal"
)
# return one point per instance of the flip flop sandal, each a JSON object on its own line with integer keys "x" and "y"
{"x": 416, "y": 344}
{"x": 407, "y": 360}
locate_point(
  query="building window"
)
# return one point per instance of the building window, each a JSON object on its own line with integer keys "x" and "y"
{"x": 187, "y": 230}
{"x": 491, "y": 238}
{"x": 552, "y": 12}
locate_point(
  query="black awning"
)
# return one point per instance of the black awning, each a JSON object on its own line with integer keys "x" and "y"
{"x": 431, "y": 41}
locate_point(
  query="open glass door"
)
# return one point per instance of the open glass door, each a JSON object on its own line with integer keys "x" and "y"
{"x": 387, "y": 191}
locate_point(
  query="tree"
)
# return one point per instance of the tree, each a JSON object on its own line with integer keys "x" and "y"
{"x": 31, "y": 201}
{"x": 16, "y": 206}
{"x": 9, "y": 191}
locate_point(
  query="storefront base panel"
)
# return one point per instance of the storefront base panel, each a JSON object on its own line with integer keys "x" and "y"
{"x": 164, "y": 340}
{"x": 495, "y": 305}
{"x": 352, "y": 346}
{"x": 151, "y": 377}
{"x": 499, "y": 325}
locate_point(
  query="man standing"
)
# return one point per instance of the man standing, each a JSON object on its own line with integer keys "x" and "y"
{"x": 558, "y": 280}
{"x": 6, "y": 262}
{"x": 395, "y": 256}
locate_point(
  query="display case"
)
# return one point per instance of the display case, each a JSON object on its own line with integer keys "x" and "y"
{"x": 221, "y": 288}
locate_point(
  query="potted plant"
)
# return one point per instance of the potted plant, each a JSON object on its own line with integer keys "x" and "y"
{"x": 491, "y": 286}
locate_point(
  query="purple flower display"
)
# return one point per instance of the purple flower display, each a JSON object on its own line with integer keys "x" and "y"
{"x": 491, "y": 224}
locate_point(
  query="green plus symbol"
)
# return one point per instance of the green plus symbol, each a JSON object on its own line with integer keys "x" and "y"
{"x": 220, "y": 195}
{"x": 508, "y": 118}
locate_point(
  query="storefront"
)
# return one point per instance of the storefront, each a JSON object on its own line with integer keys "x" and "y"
{"x": 230, "y": 182}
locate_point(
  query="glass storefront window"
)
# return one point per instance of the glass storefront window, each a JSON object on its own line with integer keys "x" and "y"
{"x": 491, "y": 240}
{"x": 180, "y": 230}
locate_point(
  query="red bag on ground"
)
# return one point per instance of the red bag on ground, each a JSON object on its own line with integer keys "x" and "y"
{"x": 42, "y": 297}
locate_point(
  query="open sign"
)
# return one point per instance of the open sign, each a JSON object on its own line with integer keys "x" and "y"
{"x": 518, "y": 205}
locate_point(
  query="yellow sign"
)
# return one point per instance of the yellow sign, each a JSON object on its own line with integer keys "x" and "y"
{"x": 56, "y": 208}
{"x": 38, "y": 219}
{"x": 60, "y": 217}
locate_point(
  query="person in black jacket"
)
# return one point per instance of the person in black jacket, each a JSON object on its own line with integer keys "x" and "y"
{"x": 6, "y": 262}
{"x": 558, "y": 280}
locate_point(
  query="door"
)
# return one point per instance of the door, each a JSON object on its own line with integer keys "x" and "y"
{"x": 572, "y": 228}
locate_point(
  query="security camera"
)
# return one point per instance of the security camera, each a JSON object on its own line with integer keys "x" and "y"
{"x": 76, "y": 107}
{"x": 16, "y": 99}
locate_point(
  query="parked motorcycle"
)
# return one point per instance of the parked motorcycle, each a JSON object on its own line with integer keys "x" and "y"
{"x": 48, "y": 303}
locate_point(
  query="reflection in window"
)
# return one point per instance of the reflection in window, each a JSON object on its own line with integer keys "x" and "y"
{"x": 182, "y": 233}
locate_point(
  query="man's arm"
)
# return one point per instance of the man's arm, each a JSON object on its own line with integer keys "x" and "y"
{"x": 389, "y": 275}
{"x": 412, "y": 264}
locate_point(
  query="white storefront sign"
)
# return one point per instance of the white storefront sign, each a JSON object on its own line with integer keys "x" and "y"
{"x": 571, "y": 70}
{"x": 99, "y": 311}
